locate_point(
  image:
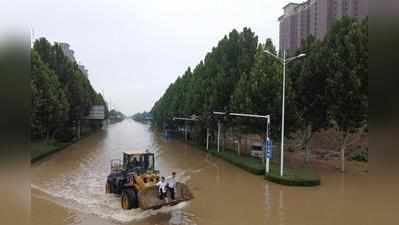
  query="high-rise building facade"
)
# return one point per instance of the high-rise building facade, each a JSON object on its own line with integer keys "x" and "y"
{"x": 315, "y": 17}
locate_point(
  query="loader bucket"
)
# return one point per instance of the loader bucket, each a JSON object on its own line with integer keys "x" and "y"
{"x": 149, "y": 197}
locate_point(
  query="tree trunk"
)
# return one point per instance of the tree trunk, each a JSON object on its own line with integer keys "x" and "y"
{"x": 239, "y": 145}
{"x": 246, "y": 143}
{"x": 54, "y": 133}
{"x": 48, "y": 136}
{"x": 308, "y": 137}
{"x": 343, "y": 147}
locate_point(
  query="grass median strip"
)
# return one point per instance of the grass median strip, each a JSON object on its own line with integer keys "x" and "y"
{"x": 42, "y": 149}
{"x": 301, "y": 176}
{"x": 250, "y": 164}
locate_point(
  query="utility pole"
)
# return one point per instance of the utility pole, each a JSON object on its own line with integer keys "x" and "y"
{"x": 185, "y": 130}
{"x": 267, "y": 139}
{"x": 282, "y": 119}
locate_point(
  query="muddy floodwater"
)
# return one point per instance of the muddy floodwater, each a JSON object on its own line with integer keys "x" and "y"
{"x": 68, "y": 188}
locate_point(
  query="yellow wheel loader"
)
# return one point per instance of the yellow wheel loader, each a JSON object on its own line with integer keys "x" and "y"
{"x": 134, "y": 179}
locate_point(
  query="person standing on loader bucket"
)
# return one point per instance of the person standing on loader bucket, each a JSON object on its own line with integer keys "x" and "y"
{"x": 162, "y": 188}
{"x": 172, "y": 185}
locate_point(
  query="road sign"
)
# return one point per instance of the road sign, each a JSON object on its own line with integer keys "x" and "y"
{"x": 97, "y": 112}
{"x": 268, "y": 148}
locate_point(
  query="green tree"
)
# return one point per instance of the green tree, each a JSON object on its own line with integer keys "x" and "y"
{"x": 326, "y": 88}
{"x": 49, "y": 103}
{"x": 259, "y": 92}
{"x": 76, "y": 87}
{"x": 211, "y": 84}
{"x": 309, "y": 81}
{"x": 346, "y": 83}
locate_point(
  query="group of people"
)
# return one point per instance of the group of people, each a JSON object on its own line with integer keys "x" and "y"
{"x": 165, "y": 185}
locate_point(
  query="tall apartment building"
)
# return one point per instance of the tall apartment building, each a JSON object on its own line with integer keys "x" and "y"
{"x": 315, "y": 17}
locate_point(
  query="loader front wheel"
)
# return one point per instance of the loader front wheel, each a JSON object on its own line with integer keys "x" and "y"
{"x": 129, "y": 199}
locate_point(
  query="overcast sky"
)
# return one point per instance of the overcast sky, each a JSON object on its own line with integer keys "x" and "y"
{"x": 135, "y": 49}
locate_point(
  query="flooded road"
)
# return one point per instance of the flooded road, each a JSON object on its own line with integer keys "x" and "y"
{"x": 68, "y": 188}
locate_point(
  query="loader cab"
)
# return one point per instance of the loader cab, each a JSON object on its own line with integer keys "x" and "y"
{"x": 138, "y": 162}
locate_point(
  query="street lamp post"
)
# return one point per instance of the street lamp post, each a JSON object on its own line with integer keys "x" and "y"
{"x": 284, "y": 61}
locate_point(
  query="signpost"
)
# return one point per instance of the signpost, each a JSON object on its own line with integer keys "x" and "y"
{"x": 185, "y": 119}
{"x": 267, "y": 117}
{"x": 97, "y": 112}
{"x": 268, "y": 153}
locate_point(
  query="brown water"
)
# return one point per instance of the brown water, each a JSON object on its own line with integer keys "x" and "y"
{"x": 68, "y": 188}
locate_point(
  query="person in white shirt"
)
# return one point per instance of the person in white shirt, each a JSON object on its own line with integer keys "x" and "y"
{"x": 171, "y": 184}
{"x": 162, "y": 188}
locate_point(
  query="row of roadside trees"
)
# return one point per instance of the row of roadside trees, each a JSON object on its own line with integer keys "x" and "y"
{"x": 142, "y": 117}
{"x": 61, "y": 94}
{"x": 326, "y": 89}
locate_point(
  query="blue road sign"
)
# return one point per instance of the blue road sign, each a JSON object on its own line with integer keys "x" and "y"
{"x": 268, "y": 148}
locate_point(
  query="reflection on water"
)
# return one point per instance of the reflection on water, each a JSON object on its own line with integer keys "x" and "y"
{"x": 70, "y": 186}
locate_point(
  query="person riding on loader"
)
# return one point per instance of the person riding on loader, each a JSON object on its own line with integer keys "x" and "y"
{"x": 138, "y": 183}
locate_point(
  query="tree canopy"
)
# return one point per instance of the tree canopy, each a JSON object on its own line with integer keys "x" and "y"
{"x": 61, "y": 93}
{"x": 327, "y": 88}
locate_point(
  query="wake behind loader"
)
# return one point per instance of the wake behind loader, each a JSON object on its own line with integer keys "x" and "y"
{"x": 135, "y": 180}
